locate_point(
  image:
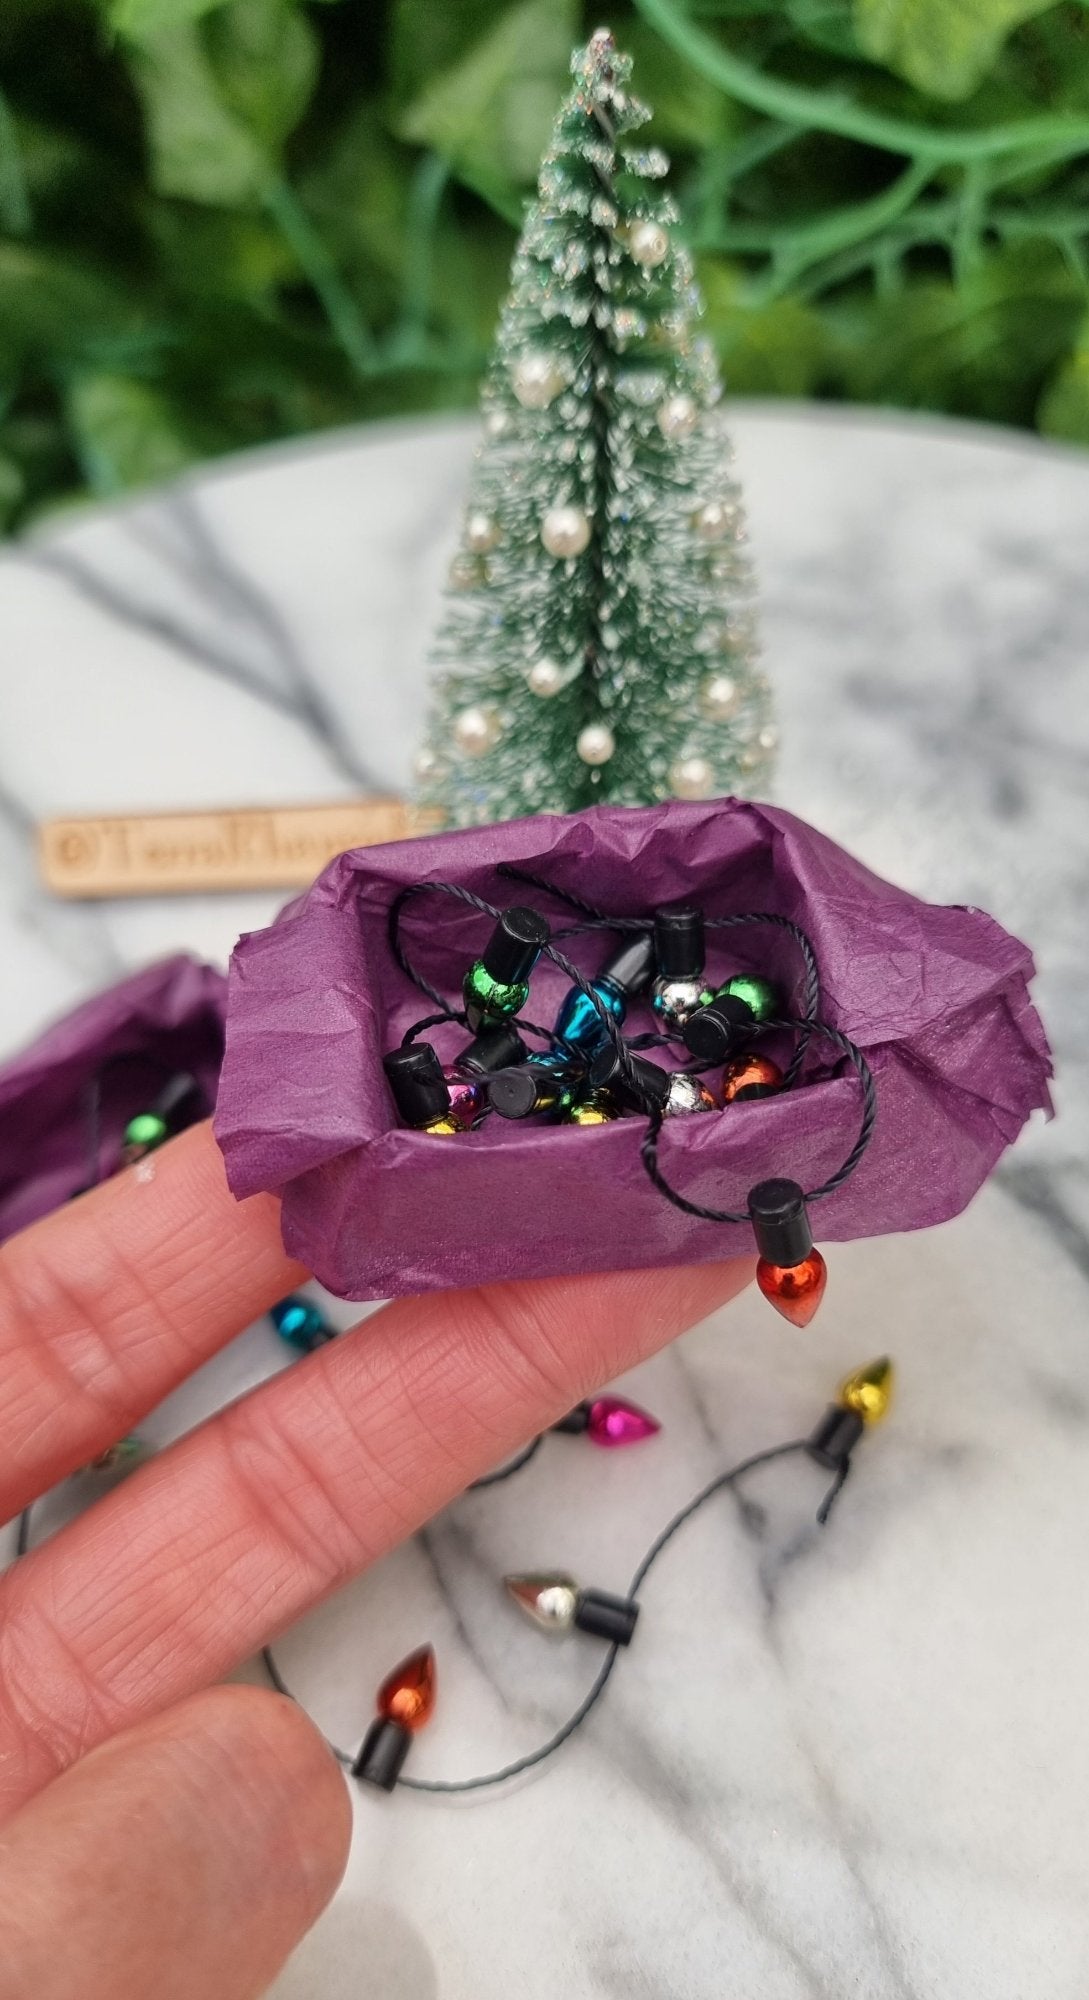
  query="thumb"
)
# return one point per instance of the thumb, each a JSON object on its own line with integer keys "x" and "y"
{"x": 183, "y": 1859}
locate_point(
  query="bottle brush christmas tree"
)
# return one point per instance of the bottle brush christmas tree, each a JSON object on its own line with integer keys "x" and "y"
{"x": 599, "y": 636}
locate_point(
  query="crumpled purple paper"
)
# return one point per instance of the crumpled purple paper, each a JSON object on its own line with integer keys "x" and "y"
{"x": 937, "y": 998}
{"x": 166, "y": 1018}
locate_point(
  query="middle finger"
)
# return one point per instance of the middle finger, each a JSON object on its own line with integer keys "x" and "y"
{"x": 172, "y": 1580}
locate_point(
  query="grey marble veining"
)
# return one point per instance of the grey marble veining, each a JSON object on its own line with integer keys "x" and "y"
{"x": 850, "y": 1762}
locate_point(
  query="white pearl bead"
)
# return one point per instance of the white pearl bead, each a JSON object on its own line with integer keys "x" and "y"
{"x": 719, "y": 697}
{"x": 714, "y": 521}
{"x": 768, "y": 738}
{"x": 481, "y": 532}
{"x": 425, "y": 765}
{"x": 496, "y": 424}
{"x": 595, "y": 743}
{"x": 545, "y": 678}
{"x": 648, "y": 243}
{"x": 677, "y": 416}
{"x": 565, "y": 531}
{"x": 465, "y": 572}
{"x": 476, "y": 730}
{"x": 691, "y": 778}
{"x": 536, "y": 380}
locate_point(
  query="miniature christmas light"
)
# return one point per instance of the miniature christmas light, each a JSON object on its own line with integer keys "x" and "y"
{"x": 592, "y": 1111}
{"x": 609, "y": 1421}
{"x": 759, "y": 994}
{"x": 791, "y": 1274}
{"x": 405, "y": 1703}
{"x": 679, "y": 987}
{"x": 750, "y": 1076}
{"x": 625, "y": 973}
{"x": 497, "y": 985}
{"x": 124, "y": 1456}
{"x": 863, "y": 1400}
{"x": 180, "y": 1103}
{"x": 543, "y": 1083}
{"x": 720, "y": 1028}
{"x": 301, "y": 1323}
{"x": 420, "y": 1090}
{"x": 492, "y": 1049}
{"x": 672, "y": 1092}
{"x": 557, "y": 1604}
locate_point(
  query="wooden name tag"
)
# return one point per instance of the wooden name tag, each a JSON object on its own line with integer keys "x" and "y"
{"x": 163, "y": 854}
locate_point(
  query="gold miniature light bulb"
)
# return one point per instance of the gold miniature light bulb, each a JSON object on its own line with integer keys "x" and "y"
{"x": 868, "y": 1392}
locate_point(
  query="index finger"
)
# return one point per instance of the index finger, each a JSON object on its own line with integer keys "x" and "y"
{"x": 108, "y": 1304}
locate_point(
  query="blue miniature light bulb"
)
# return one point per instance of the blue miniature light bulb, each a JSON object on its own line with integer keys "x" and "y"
{"x": 627, "y": 972}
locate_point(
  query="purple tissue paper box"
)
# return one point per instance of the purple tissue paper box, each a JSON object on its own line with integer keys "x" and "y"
{"x": 936, "y": 997}
{"x": 165, "y": 1018}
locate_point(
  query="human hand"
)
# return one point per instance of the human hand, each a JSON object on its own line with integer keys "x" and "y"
{"x": 164, "y": 1842}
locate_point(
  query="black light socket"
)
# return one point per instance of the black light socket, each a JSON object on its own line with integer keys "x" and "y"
{"x": 515, "y": 946}
{"x": 605, "y": 1074}
{"x": 381, "y": 1759}
{"x": 607, "y": 1617}
{"x": 420, "y": 1090}
{"x": 679, "y": 945}
{"x": 576, "y": 1423}
{"x": 536, "y": 1085}
{"x": 780, "y": 1222}
{"x": 498, "y": 1047}
{"x": 835, "y": 1437}
{"x": 719, "y": 1029}
{"x": 632, "y": 965}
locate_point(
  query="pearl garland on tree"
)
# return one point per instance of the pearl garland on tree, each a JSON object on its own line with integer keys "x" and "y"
{"x": 477, "y": 730}
{"x": 536, "y": 380}
{"x": 565, "y": 531}
{"x": 648, "y": 243}
{"x": 482, "y": 532}
{"x": 691, "y": 778}
{"x": 715, "y": 520}
{"x": 677, "y": 416}
{"x": 720, "y": 697}
{"x": 545, "y": 678}
{"x": 596, "y": 743}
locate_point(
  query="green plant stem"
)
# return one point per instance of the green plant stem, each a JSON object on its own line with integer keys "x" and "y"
{"x": 15, "y": 213}
{"x": 793, "y": 251}
{"x": 823, "y": 112}
{"x": 348, "y": 327}
{"x": 408, "y": 339}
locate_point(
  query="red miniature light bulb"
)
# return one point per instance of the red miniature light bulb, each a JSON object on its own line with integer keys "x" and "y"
{"x": 407, "y": 1695}
{"x": 611, "y": 1421}
{"x": 406, "y": 1701}
{"x": 791, "y": 1274}
{"x": 795, "y": 1290}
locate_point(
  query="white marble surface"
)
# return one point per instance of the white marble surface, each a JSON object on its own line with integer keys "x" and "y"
{"x": 844, "y": 1764}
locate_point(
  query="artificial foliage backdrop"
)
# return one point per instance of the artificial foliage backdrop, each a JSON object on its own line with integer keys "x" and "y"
{"x": 599, "y": 642}
{"x": 225, "y": 221}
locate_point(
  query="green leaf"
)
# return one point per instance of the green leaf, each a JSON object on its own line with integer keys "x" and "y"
{"x": 200, "y": 149}
{"x": 780, "y": 349}
{"x": 425, "y": 40}
{"x": 125, "y": 433}
{"x": 51, "y": 308}
{"x": 1064, "y": 407}
{"x": 264, "y": 55}
{"x": 140, "y": 19}
{"x": 12, "y": 487}
{"x": 944, "y": 47}
{"x": 491, "y": 115}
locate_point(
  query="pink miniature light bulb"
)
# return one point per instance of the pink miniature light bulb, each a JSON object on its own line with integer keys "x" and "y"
{"x": 611, "y": 1421}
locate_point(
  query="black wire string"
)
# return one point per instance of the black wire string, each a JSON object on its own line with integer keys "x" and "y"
{"x": 508, "y": 1471}
{"x": 599, "y": 920}
{"x": 649, "y": 1148}
{"x": 574, "y": 1722}
{"x": 573, "y": 972}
